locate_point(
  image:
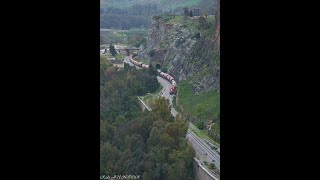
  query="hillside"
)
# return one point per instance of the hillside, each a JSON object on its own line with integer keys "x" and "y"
{"x": 162, "y": 4}
{"x": 150, "y": 145}
{"x": 127, "y": 14}
{"x": 189, "y": 49}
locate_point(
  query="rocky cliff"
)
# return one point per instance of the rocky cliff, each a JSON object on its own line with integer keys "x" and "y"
{"x": 190, "y": 50}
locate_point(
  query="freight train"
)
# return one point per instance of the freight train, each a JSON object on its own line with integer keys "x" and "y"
{"x": 161, "y": 74}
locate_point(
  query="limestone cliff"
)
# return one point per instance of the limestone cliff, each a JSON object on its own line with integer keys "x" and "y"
{"x": 190, "y": 53}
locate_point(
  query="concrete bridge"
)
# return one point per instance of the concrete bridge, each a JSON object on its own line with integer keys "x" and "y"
{"x": 126, "y": 51}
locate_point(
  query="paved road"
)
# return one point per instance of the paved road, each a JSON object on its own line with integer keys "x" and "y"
{"x": 208, "y": 140}
{"x": 203, "y": 150}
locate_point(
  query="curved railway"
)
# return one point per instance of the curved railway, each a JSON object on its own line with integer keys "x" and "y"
{"x": 202, "y": 148}
{"x": 161, "y": 74}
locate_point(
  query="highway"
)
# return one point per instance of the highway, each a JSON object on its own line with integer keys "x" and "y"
{"x": 208, "y": 140}
{"x": 202, "y": 149}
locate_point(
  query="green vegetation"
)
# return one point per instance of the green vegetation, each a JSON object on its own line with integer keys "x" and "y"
{"x": 152, "y": 52}
{"x": 164, "y": 17}
{"x": 204, "y": 135}
{"x": 135, "y": 16}
{"x": 189, "y": 23}
{"x": 200, "y": 124}
{"x": 205, "y": 162}
{"x": 119, "y": 88}
{"x": 161, "y": 5}
{"x": 127, "y": 14}
{"x": 120, "y": 57}
{"x": 144, "y": 61}
{"x": 205, "y": 107}
{"x": 132, "y": 38}
{"x": 164, "y": 69}
{"x": 150, "y": 144}
{"x": 112, "y": 50}
{"x": 202, "y": 105}
{"x": 103, "y": 58}
{"x": 174, "y": 103}
{"x": 106, "y": 56}
{"x": 104, "y": 63}
{"x": 212, "y": 166}
{"x": 193, "y": 24}
{"x": 199, "y": 135}
{"x": 152, "y": 97}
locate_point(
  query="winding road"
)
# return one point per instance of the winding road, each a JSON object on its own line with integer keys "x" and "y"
{"x": 203, "y": 151}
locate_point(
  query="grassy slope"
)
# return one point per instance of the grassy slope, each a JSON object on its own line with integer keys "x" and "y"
{"x": 200, "y": 105}
{"x": 120, "y": 37}
{"x": 189, "y": 23}
{"x": 204, "y": 106}
{"x": 149, "y": 99}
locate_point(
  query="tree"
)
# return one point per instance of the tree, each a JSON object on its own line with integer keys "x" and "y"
{"x": 151, "y": 70}
{"x": 186, "y": 12}
{"x": 202, "y": 22}
{"x": 191, "y": 14}
{"x": 112, "y": 50}
{"x": 126, "y": 67}
{"x": 152, "y": 53}
{"x": 212, "y": 166}
{"x": 200, "y": 124}
{"x": 151, "y": 144}
{"x": 164, "y": 69}
{"x": 152, "y": 84}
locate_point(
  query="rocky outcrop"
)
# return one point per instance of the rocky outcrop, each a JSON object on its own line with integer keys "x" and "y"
{"x": 189, "y": 54}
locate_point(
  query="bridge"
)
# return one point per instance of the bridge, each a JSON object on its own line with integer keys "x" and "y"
{"x": 125, "y": 50}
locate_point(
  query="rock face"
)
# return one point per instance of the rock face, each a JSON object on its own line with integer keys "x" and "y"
{"x": 189, "y": 54}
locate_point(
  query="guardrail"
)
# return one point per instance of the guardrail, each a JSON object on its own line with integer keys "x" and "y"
{"x": 215, "y": 176}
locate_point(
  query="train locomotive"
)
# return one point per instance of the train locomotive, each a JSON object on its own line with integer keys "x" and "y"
{"x": 160, "y": 73}
{"x": 170, "y": 79}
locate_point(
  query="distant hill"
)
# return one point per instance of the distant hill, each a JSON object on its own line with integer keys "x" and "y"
{"x": 162, "y": 4}
{"x": 127, "y": 14}
{"x": 165, "y": 5}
